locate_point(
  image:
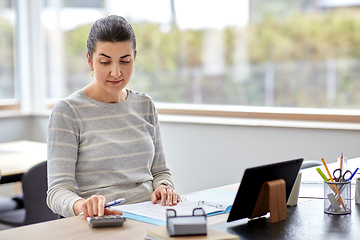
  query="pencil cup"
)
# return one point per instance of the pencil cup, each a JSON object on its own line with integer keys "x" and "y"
{"x": 337, "y": 197}
{"x": 357, "y": 191}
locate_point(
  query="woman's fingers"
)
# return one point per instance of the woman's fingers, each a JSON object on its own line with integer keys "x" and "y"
{"x": 163, "y": 196}
{"x": 100, "y": 206}
{"x": 169, "y": 196}
{"x": 93, "y": 206}
{"x": 166, "y": 194}
{"x": 112, "y": 212}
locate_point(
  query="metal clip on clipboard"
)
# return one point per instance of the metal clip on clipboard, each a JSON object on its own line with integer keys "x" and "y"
{"x": 194, "y": 224}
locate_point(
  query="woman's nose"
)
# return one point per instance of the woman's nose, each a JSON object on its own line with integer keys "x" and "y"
{"x": 116, "y": 71}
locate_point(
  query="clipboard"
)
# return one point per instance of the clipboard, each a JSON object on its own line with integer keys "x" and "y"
{"x": 156, "y": 213}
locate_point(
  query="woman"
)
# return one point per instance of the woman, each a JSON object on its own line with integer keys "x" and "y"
{"x": 104, "y": 141}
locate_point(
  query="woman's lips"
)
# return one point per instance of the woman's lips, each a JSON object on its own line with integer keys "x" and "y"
{"x": 114, "y": 82}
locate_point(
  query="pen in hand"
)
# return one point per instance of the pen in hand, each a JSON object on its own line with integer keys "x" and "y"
{"x": 115, "y": 202}
{"x": 109, "y": 204}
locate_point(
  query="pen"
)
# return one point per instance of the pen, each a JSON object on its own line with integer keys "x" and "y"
{"x": 352, "y": 175}
{"x": 322, "y": 174}
{"x": 115, "y": 202}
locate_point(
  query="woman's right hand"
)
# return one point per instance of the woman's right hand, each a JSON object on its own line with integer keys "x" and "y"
{"x": 93, "y": 206}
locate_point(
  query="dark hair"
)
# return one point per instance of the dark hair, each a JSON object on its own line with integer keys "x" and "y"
{"x": 110, "y": 29}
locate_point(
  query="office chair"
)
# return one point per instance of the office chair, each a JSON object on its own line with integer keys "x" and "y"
{"x": 310, "y": 163}
{"x": 34, "y": 185}
{"x": 11, "y": 203}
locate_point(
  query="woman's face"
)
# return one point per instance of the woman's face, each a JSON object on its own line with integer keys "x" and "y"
{"x": 112, "y": 64}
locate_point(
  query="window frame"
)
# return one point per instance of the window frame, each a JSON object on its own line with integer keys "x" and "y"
{"x": 265, "y": 113}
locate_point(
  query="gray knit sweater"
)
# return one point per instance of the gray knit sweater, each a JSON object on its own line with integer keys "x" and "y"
{"x": 112, "y": 149}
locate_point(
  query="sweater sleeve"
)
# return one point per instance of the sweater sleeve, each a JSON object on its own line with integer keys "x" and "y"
{"x": 160, "y": 171}
{"x": 63, "y": 142}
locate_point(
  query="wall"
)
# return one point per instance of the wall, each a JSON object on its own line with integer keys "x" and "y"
{"x": 202, "y": 156}
{"x": 15, "y": 128}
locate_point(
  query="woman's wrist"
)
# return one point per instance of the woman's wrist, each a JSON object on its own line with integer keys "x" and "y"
{"x": 77, "y": 206}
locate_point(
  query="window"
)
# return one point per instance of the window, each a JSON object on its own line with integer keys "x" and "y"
{"x": 258, "y": 53}
{"x": 7, "y": 29}
{"x": 304, "y": 54}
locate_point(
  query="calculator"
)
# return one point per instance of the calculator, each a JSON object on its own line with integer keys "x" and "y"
{"x": 106, "y": 221}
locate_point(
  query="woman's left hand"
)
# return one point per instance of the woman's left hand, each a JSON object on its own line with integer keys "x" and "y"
{"x": 165, "y": 193}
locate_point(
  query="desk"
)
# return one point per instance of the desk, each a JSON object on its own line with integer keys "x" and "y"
{"x": 18, "y": 157}
{"x": 78, "y": 228}
{"x": 305, "y": 221}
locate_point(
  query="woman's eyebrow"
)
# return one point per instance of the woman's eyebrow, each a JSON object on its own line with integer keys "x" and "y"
{"x": 102, "y": 54}
{"x": 127, "y": 55}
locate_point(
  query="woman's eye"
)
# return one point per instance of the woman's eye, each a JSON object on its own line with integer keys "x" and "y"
{"x": 125, "y": 61}
{"x": 105, "y": 63}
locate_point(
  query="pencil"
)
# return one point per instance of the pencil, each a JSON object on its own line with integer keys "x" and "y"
{"x": 323, "y": 161}
{"x": 341, "y": 161}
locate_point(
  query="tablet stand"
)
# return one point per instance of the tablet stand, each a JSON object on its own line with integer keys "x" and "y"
{"x": 272, "y": 197}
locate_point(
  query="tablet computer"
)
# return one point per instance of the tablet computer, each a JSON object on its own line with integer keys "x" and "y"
{"x": 252, "y": 181}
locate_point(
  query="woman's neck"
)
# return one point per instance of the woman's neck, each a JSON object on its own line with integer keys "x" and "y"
{"x": 97, "y": 93}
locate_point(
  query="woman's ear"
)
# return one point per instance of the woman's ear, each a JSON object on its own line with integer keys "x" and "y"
{"x": 135, "y": 53}
{"x": 89, "y": 61}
